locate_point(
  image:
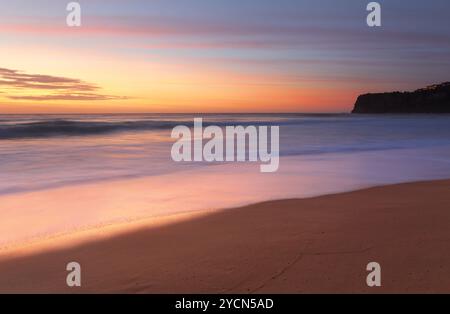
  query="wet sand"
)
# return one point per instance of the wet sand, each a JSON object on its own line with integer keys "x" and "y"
{"x": 320, "y": 244}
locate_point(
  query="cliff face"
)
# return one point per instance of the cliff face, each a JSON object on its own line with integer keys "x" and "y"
{"x": 432, "y": 99}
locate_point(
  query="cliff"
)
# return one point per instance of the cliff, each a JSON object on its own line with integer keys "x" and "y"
{"x": 432, "y": 99}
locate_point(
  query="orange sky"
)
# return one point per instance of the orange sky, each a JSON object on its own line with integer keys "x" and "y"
{"x": 199, "y": 56}
{"x": 156, "y": 86}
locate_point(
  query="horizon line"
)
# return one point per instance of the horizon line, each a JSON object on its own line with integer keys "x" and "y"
{"x": 186, "y": 113}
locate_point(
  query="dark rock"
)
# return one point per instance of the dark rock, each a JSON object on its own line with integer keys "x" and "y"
{"x": 432, "y": 99}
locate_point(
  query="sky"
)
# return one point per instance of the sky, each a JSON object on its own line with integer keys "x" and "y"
{"x": 216, "y": 55}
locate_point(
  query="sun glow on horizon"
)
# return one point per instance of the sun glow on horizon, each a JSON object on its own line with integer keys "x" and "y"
{"x": 168, "y": 57}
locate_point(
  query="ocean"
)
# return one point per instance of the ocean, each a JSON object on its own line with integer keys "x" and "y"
{"x": 44, "y": 151}
{"x": 319, "y": 154}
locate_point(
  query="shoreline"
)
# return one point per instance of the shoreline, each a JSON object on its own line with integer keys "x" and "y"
{"x": 107, "y": 229}
{"x": 318, "y": 244}
{"x": 36, "y": 215}
{"x": 95, "y": 233}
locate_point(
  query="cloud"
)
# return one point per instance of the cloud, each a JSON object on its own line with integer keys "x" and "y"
{"x": 68, "y": 97}
{"x": 56, "y": 87}
{"x": 254, "y": 33}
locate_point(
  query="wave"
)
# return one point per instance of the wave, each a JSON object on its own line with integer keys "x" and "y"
{"x": 28, "y": 127}
{"x": 74, "y": 128}
{"x": 51, "y": 128}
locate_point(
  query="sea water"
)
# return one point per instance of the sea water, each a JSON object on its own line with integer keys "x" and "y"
{"x": 320, "y": 154}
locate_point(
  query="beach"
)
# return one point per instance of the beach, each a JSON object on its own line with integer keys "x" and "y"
{"x": 318, "y": 244}
{"x": 224, "y": 147}
{"x": 103, "y": 191}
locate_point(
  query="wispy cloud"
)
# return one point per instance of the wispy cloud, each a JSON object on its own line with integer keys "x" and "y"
{"x": 68, "y": 97}
{"x": 54, "y": 87}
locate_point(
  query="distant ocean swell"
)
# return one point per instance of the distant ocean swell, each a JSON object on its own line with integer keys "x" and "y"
{"x": 49, "y": 128}
{"x": 44, "y": 151}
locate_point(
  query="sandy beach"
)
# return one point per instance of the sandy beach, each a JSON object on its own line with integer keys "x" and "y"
{"x": 320, "y": 244}
{"x": 225, "y": 147}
